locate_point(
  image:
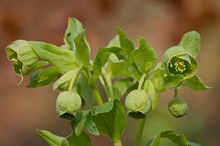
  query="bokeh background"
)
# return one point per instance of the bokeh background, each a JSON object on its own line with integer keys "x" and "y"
{"x": 162, "y": 22}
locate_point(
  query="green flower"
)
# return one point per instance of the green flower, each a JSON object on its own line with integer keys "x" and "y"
{"x": 177, "y": 107}
{"x": 179, "y": 63}
{"x": 138, "y": 103}
{"x": 68, "y": 104}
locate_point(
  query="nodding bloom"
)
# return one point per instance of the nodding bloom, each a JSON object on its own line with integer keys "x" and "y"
{"x": 178, "y": 62}
{"x": 138, "y": 103}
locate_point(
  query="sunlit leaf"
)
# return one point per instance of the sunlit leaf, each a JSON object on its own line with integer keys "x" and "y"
{"x": 191, "y": 43}
{"x": 144, "y": 56}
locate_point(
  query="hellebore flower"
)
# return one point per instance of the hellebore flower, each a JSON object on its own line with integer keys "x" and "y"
{"x": 138, "y": 103}
{"x": 68, "y": 104}
{"x": 179, "y": 65}
{"x": 177, "y": 107}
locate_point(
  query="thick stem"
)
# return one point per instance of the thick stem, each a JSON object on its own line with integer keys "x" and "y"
{"x": 140, "y": 132}
{"x": 175, "y": 93}
{"x": 118, "y": 143}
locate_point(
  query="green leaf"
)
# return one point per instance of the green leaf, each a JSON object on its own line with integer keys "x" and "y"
{"x": 175, "y": 138}
{"x": 121, "y": 86}
{"x": 80, "y": 121}
{"x": 125, "y": 43}
{"x": 116, "y": 67}
{"x": 42, "y": 77}
{"x": 63, "y": 60}
{"x": 149, "y": 87}
{"x": 110, "y": 119}
{"x": 195, "y": 83}
{"x": 74, "y": 27}
{"x": 102, "y": 57}
{"x": 51, "y": 139}
{"x": 178, "y": 139}
{"x": 193, "y": 144}
{"x": 82, "y": 49}
{"x": 172, "y": 52}
{"x": 23, "y": 57}
{"x": 155, "y": 141}
{"x": 157, "y": 78}
{"x": 71, "y": 75}
{"x": 191, "y": 43}
{"x": 144, "y": 56}
{"x": 84, "y": 120}
{"x": 72, "y": 140}
{"x": 82, "y": 140}
{"x": 114, "y": 42}
{"x": 84, "y": 89}
{"x": 90, "y": 125}
{"x": 173, "y": 81}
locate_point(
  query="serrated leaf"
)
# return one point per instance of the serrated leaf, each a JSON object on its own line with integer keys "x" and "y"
{"x": 144, "y": 56}
{"x": 74, "y": 27}
{"x": 51, "y": 139}
{"x": 42, "y": 77}
{"x": 195, "y": 83}
{"x": 125, "y": 43}
{"x": 63, "y": 60}
{"x": 110, "y": 119}
{"x": 82, "y": 49}
{"x": 191, "y": 43}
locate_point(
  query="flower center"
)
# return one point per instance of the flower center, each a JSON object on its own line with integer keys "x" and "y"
{"x": 180, "y": 66}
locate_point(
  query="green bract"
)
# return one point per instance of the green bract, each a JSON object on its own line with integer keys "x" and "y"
{"x": 138, "y": 103}
{"x": 177, "y": 107}
{"x": 68, "y": 103}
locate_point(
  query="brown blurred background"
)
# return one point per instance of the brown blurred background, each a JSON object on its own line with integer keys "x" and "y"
{"x": 162, "y": 22}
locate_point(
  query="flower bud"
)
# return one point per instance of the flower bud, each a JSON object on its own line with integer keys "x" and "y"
{"x": 138, "y": 103}
{"x": 68, "y": 103}
{"x": 177, "y": 107}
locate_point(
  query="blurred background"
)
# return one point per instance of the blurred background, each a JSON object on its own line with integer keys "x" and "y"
{"x": 162, "y": 22}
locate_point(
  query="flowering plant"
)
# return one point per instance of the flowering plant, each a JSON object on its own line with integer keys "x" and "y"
{"x": 121, "y": 69}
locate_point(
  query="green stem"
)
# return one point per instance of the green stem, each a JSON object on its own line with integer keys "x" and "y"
{"x": 104, "y": 86}
{"x": 75, "y": 76}
{"x": 141, "y": 81}
{"x": 118, "y": 143}
{"x": 140, "y": 132}
{"x": 94, "y": 88}
{"x": 97, "y": 94}
{"x": 175, "y": 93}
{"x": 109, "y": 84}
